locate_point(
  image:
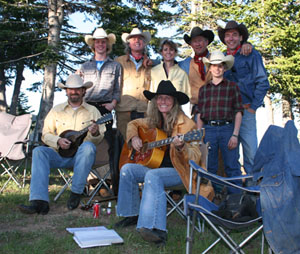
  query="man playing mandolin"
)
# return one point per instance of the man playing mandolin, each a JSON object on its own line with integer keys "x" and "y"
{"x": 164, "y": 115}
{"x": 75, "y": 115}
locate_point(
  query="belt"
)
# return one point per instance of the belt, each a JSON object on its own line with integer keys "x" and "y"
{"x": 217, "y": 122}
{"x": 246, "y": 106}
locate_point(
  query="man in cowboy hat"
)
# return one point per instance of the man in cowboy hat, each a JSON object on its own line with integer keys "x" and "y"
{"x": 219, "y": 111}
{"x": 194, "y": 67}
{"x": 76, "y": 115}
{"x": 250, "y": 75}
{"x": 136, "y": 78}
{"x": 103, "y": 72}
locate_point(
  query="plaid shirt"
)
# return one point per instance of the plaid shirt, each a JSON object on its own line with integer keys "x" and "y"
{"x": 219, "y": 102}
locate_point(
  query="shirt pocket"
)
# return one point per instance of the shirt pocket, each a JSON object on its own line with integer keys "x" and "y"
{"x": 275, "y": 191}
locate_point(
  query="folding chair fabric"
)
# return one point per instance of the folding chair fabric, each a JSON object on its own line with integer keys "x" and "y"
{"x": 196, "y": 205}
{"x": 14, "y": 132}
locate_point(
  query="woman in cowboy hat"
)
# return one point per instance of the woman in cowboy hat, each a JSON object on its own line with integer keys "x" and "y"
{"x": 164, "y": 113}
{"x": 219, "y": 111}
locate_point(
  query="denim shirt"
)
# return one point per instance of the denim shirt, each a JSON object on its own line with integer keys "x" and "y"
{"x": 277, "y": 166}
{"x": 250, "y": 75}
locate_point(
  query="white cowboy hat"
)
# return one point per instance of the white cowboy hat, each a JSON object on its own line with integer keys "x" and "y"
{"x": 134, "y": 32}
{"x": 99, "y": 33}
{"x": 217, "y": 57}
{"x": 75, "y": 81}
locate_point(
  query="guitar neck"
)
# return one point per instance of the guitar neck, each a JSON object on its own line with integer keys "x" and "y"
{"x": 160, "y": 143}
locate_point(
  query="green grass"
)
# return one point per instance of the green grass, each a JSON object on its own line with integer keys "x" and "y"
{"x": 22, "y": 234}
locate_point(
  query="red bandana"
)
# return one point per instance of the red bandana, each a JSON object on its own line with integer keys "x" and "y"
{"x": 198, "y": 61}
{"x": 234, "y": 52}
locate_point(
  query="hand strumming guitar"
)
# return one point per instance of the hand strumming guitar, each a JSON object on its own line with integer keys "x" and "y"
{"x": 136, "y": 143}
{"x": 64, "y": 143}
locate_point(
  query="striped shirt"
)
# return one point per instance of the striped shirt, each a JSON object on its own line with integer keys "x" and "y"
{"x": 219, "y": 102}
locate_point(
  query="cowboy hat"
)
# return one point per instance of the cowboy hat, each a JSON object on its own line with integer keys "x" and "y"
{"x": 75, "y": 81}
{"x": 135, "y": 32}
{"x": 217, "y": 57}
{"x": 197, "y": 31}
{"x": 99, "y": 33}
{"x": 167, "y": 88}
{"x": 243, "y": 31}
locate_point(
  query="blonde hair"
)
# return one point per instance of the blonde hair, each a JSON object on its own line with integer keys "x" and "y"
{"x": 155, "y": 118}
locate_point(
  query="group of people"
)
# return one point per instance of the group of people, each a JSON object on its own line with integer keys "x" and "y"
{"x": 222, "y": 92}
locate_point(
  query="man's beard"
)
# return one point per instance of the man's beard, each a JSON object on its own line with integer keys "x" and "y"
{"x": 75, "y": 98}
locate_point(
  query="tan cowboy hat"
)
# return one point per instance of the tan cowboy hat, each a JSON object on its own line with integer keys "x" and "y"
{"x": 167, "y": 88}
{"x": 197, "y": 31}
{"x": 99, "y": 33}
{"x": 233, "y": 25}
{"x": 217, "y": 57}
{"x": 134, "y": 32}
{"x": 75, "y": 81}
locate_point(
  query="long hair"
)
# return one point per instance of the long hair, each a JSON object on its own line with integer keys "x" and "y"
{"x": 208, "y": 76}
{"x": 155, "y": 117}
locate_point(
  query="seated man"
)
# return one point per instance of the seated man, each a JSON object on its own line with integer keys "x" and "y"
{"x": 76, "y": 115}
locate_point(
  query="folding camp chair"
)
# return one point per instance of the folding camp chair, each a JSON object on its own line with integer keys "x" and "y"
{"x": 14, "y": 132}
{"x": 178, "y": 205}
{"x": 196, "y": 205}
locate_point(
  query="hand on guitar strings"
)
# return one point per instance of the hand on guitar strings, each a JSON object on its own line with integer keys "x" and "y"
{"x": 136, "y": 143}
{"x": 178, "y": 142}
{"x": 94, "y": 129}
{"x": 64, "y": 143}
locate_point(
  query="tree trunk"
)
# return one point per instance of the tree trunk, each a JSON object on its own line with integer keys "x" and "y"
{"x": 3, "y": 103}
{"x": 17, "y": 88}
{"x": 286, "y": 110}
{"x": 55, "y": 20}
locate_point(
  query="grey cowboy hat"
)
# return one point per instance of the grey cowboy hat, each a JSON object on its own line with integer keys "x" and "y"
{"x": 233, "y": 25}
{"x": 135, "y": 32}
{"x": 75, "y": 81}
{"x": 217, "y": 57}
{"x": 197, "y": 31}
{"x": 167, "y": 88}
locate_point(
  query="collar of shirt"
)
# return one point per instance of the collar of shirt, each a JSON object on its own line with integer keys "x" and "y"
{"x": 137, "y": 64}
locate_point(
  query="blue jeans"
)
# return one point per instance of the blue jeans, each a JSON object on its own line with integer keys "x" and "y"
{"x": 153, "y": 205}
{"x": 218, "y": 138}
{"x": 248, "y": 138}
{"x": 44, "y": 158}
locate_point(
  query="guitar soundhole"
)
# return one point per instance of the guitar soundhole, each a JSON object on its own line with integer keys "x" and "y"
{"x": 142, "y": 156}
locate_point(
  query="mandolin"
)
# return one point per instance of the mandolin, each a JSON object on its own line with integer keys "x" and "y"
{"x": 154, "y": 146}
{"x": 77, "y": 137}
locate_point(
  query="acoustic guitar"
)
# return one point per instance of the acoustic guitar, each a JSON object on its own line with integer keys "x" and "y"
{"x": 154, "y": 146}
{"x": 77, "y": 137}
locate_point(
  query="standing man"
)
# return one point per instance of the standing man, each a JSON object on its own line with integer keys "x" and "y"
{"x": 250, "y": 75}
{"x": 75, "y": 115}
{"x": 136, "y": 78}
{"x": 103, "y": 72}
{"x": 194, "y": 67}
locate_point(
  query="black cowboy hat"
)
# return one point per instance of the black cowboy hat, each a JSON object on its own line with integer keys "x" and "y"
{"x": 167, "y": 88}
{"x": 233, "y": 25}
{"x": 197, "y": 31}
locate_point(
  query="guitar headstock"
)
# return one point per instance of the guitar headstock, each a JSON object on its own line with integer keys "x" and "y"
{"x": 105, "y": 118}
{"x": 194, "y": 135}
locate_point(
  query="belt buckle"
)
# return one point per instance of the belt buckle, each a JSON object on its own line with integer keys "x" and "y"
{"x": 213, "y": 123}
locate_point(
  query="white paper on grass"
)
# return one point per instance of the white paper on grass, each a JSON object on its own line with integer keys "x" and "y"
{"x": 94, "y": 236}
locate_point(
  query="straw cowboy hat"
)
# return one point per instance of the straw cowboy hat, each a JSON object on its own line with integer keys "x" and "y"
{"x": 99, "y": 33}
{"x": 197, "y": 31}
{"x": 233, "y": 25}
{"x": 167, "y": 88}
{"x": 134, "y": 32}
{"x": 217, "y": 57}
{"x": 75, "y": 81}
